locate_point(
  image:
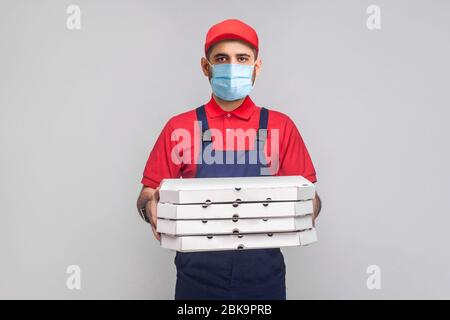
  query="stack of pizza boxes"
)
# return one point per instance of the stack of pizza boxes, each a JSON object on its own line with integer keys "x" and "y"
{"x": 208, "y": 214}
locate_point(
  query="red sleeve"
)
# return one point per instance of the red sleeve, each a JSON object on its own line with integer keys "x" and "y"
{"x": 294, "y": 157}
{"x": 160, "y": 164}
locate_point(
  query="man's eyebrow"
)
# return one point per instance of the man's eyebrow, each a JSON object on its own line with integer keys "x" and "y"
{"x": 243, "y": 55}
{"x": 221, "y": 54}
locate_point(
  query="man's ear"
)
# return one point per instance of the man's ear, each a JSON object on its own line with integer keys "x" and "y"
{"x": 205, "y": 67}
{"x": 258, "y": 65}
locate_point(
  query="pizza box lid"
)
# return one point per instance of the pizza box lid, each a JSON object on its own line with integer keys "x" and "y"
{"x": 238, "y": 242}
{"x": 235, "y": 189}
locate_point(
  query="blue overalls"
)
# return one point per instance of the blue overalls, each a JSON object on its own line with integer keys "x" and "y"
{"x": 234, "y": 274}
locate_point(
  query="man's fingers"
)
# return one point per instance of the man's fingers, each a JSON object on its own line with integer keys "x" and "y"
{"x": 314, "y": 219}
{"x": 156, "y": 234}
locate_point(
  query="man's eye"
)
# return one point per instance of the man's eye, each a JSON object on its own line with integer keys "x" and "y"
{"x": 242, "y": 59}
{"x": 221, "y": 59}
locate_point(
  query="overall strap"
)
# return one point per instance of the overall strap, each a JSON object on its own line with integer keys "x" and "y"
{"x": 201, "y": 116}
{"x": 262, "y": 130}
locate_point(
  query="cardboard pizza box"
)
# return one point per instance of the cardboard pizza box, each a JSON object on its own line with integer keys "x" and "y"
{"x": 235, "y": 189}
{"x": 234, "y": 210}
{"x": 238, "y": 242}
{"x": 234, "y": 226}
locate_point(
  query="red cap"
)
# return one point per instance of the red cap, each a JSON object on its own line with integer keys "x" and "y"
{"x": 231, "y": 29}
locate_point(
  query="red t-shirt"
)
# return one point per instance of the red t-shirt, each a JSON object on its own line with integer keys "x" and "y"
{"x": 175, "y": 152}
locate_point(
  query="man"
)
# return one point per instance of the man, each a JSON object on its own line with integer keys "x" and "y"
{"x": 231, "y": 64}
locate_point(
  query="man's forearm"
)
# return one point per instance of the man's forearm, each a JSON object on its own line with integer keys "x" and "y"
{"x": 145, "y": 196}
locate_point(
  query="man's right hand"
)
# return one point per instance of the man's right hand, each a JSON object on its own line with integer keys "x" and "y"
{"x": 148, "y": 199}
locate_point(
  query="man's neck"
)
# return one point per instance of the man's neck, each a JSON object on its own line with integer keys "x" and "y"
{"x": 228, "y": 105}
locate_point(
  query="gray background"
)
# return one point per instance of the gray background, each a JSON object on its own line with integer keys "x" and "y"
{"x": 80, "y": 111}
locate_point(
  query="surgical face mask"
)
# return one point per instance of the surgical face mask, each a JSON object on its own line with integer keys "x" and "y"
{"x": 231, "y": 81}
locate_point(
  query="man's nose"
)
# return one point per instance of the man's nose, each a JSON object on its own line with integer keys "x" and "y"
{"x": 234, "y": 60}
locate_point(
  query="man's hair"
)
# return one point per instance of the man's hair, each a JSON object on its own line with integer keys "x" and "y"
{"x": 255, "y": 53}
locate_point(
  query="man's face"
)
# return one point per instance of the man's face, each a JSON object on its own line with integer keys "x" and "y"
{"x": 231, "y": 51}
